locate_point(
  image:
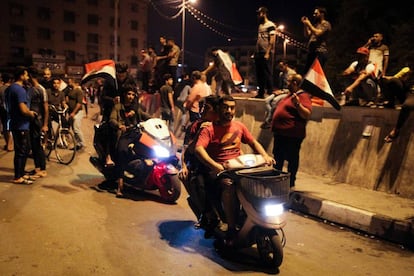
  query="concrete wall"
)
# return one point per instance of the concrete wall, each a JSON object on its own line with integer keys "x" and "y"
{"x": 335, "y": 147}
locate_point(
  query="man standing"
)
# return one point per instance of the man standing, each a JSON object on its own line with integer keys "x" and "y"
{"x": 146, "y": 65}
{"x": 167, "y": 101}
{"x": 74, "y": 101}
{"x": 264, "y": 51}
{"x": 47, "y": 81}
{"x": 173, "y": 56}
{"x": 39, "y": 104}
{"x": 317, "y": 34}
{"x": 289, "y": 126}
{"x": 7, "y": 80}
{"x": 17, "y": 105}
{"x": 378, "y": 53}
{"x": 197, "y": 92}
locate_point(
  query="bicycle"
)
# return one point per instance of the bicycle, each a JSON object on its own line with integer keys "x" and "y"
{"x": 62, "y": 140}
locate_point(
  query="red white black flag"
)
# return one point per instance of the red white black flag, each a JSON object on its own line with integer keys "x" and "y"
{"x": 230, "y": 66}
{"x": 100, "y": 69}
{"x": 316, "y": 84}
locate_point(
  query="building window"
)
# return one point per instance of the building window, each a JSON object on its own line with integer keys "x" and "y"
{"x": 45, "y": 52}
{"x": 93, "y": 19}
{"x": 17, "y": 52}
{"x": 112, "y": 3}
{"x": 93, "y": 2}
{"x": 134, "y": 43}
{"x": 69, "y": 17}
{"x": 112, "y": 20}
{"x": 16, "y": 10}
{"x": 134, "y": 25}
{"x": 134, "y": 7}
{"x": 93, "y": 56}
{"x": 44, "y": 33}
{"x": 70, "y": 55}
{"x": 16, "y": 33}
{"x": 92, "y": 48}
{"x": 43, "y": 13}
{"x": 69, "y": 36}
{"x": 134, "y": 60}
{"x": 93, "y": 38}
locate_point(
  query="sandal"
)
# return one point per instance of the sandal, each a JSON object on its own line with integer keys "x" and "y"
{"x": 119, "y": 194}
{"x": 391, "y": 136}
{"x": 30, "y": 177}
{"x": 23, "y": 181}
{"x": 39, "y": 174}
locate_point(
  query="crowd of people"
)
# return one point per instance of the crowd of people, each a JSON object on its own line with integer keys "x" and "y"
{"x": 26, "y": 96}
{"x": 211, "y": 135}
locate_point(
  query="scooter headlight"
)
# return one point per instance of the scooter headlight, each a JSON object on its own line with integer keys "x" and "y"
{"x": 273, "y": 210}
{"x": 161, "y": 152}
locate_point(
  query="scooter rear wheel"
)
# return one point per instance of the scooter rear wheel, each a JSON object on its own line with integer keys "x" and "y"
{"x": 270, "y": 248}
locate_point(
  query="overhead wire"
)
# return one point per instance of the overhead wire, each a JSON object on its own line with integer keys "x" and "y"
{"x": 207, "y": 22}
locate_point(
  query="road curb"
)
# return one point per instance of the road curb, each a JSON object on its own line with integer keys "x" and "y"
{"x": 395, "y": 230}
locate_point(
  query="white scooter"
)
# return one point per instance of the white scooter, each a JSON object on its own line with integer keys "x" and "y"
{"x": 262, "y": 192}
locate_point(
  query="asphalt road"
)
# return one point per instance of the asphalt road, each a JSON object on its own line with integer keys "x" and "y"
{"x": 63, "y": 225}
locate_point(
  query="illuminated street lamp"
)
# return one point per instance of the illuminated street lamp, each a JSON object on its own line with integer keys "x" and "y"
{"x": 183, "y": 30}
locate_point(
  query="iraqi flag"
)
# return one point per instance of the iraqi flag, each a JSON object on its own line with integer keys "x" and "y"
{"x": 100, "y": 69}
{"x": 230, "y": 66}
{"x": 316, "y": 84}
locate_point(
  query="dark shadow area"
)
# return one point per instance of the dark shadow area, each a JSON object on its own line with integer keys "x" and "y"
{"x": 60, "y": 188}
{"x": 130, "y": 192}
{"x": 393, "y": 163}
{"x": 344, "y": 142}
{"x": 183, "y": 236}
{"x": 6, "y": 177}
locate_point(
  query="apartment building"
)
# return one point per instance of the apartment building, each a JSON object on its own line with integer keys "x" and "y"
{"x": 65, "y": 34}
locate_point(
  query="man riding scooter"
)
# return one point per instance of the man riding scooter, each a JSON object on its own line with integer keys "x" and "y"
{"x": 219, "y": 142}
{"x": 125, "y": 115}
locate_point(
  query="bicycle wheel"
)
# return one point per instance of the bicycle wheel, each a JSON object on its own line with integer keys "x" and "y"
{"x": 65, "y": 146}
{"x": 47, "y": 145}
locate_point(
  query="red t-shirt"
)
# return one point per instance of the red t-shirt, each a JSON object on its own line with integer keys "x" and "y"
{"x": 286, "y": 120}
{"x": 224, "y": 142}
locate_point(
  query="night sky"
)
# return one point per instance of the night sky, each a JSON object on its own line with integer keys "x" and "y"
{"x": 231, "y": 18}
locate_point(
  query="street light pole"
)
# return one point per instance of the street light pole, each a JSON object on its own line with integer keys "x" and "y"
{"x": 183, "y": 37}
{"x": 116, "y": 30}
{"x": 183, "y": 32}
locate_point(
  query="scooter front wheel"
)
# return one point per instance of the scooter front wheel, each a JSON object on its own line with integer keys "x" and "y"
{"x": 171, "y": 189}
{"x": 270, "y": 248}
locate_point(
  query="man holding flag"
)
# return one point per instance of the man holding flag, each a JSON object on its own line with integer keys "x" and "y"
{"x": 315, "y": 83}
{"x": 289, "y": 126}
{"x": 226, "y": 73}
{"x": 117, "y": 81}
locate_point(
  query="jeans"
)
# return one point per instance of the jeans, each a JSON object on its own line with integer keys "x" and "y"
{"x": 263, "y": 74}
{"x": 287, "y": 149}
{"x": 76, "y": 125}
{"x": 21, "y": 141}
